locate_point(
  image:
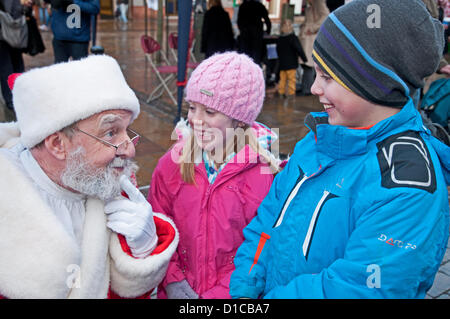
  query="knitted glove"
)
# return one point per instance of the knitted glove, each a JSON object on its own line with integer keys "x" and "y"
{"x": 180, "y": 290}
{"x": 133, "y": 218}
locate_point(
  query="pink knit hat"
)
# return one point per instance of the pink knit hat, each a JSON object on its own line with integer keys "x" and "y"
{"x": 230, "y": 83}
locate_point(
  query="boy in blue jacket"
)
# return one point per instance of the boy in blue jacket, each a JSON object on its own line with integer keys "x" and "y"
{"x": 361, "y": 209}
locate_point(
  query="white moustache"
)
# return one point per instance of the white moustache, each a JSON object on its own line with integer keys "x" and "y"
{"x": 119, "y": 162}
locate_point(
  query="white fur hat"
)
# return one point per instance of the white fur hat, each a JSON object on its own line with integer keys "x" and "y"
{"x": 51, "y": 98}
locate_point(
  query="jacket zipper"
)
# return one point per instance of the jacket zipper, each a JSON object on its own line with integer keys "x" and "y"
{"x": 208, "y": 193}
{"x": 207, "y": 206}
{"x": 312, "y": 225}
{"x": 291, "y": 196}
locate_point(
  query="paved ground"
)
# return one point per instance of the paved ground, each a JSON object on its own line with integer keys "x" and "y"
{"x": 155, "y": 123}
{"x": 441, "y": 285}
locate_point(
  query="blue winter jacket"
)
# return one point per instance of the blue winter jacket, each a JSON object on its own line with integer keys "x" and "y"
{"x": 64, "y": 22}
{"x": 354, "y": 214}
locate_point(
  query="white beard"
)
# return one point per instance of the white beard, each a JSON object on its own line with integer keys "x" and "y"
{"x": 102, "y": 183}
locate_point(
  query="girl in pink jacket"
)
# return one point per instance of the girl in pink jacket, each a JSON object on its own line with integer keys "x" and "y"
{"x": 213, "y": 179}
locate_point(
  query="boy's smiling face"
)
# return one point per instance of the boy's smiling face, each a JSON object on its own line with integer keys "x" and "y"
{"x": 345, "y": 107}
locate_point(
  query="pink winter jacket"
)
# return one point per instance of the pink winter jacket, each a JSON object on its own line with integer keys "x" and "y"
{"x": 209, "y": 217}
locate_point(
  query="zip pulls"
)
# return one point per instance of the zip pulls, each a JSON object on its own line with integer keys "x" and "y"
{"x": 291, "y": 196}
{"x": 300, "y": 180}
{"x": 312, "y": 224}
{"x": 262, "y": 241}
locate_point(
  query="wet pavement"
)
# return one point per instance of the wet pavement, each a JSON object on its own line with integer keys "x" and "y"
{"x": 155, "y": 123}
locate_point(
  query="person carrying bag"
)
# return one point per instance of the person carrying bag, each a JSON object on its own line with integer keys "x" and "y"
{"x": 35, "y": 44}
{"x": 13, "y": 25}
{"x": 13, "y": 29}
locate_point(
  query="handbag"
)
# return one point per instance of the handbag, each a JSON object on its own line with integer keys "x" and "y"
{"x": 35, "y": 43}
{"x": 13, "y": 31}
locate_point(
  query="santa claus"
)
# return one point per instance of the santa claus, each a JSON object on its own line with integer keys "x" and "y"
{"x": 72, "y": 224}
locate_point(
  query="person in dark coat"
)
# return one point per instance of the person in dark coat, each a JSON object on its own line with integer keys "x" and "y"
{"x": 11, "y": 60}
{"x": 288, "y": 50}
{"x": 250, "y": 16}
{"x": 217, "y": 33}
{"x": 69, "y": 38}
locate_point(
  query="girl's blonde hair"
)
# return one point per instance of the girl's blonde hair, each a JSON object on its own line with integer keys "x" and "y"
{"x": 191, "y": 151}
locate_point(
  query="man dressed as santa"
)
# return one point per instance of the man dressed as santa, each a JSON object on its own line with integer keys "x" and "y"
{"x": 72, "y": 224}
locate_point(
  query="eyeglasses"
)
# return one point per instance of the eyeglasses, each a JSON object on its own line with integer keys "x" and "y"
{"x": 119, "y": 147}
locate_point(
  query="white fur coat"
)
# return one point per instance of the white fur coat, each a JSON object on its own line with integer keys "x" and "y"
{"x": 38, "y": 259}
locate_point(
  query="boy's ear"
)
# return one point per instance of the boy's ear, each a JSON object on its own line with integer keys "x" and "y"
{"x": 56, "y": 145}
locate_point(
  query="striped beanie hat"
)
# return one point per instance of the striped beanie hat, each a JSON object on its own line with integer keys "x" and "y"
{"x": 230, "y": 83}
{"x": 380, "y": 49}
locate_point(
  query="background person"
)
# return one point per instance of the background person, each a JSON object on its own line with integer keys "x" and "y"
{"x": 289, "y": 50}
{"x": 11, "y": 58}
{"x": 315, "y": 13}
{"x": 251, "y": 29}
{"x": 69, "y": 39}
{"x": 217, "y": 33}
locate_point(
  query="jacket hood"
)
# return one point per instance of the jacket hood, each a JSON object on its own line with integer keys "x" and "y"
{"x": 339, "y": 141}
{"x": 335, "y": 142}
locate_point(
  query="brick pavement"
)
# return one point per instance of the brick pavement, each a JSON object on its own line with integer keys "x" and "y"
{"x": 441, "y": 285}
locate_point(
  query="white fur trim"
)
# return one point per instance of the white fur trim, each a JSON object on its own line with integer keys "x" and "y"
{"x": 94, "y": 270}
{"x": 131, "y": 277}
{"x": 50, "y": 98}
{"x": 9, "y": 134}
{"x": 38, "y": 257}
{"x": 35, "y": 251}
{"x": 181, "y": 131}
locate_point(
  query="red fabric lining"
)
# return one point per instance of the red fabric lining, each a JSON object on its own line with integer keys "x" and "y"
{"x": 362, "y": 128}
{"x": 165, "y": 232}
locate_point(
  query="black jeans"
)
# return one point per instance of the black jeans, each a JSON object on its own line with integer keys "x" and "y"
{"x": 63, "y": 50}
{"x": 11, "y": 62}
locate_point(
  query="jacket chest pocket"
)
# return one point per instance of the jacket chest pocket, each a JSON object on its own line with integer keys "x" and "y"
{"x": 241, "y": 207}
{"x": 326, "y": 227}
{"x": 326, "y": 196}
{"x": 313, "y": 227}
{"x": 245, "y": 202}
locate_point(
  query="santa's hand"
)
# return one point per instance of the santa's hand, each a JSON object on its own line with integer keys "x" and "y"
{"x": 133, "y": 218}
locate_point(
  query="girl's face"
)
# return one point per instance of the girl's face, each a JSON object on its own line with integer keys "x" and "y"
{"x": 345, "y": 107}
{"x": 209, "y": 126}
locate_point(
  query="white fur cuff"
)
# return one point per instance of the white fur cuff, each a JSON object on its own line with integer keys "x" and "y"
{"x": 131, "y": 277}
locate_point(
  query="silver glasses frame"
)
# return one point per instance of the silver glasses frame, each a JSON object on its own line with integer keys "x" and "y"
{"x": 130, "y": 140}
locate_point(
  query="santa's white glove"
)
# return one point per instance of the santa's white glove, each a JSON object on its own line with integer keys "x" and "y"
{"x": 133, "y": 218}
